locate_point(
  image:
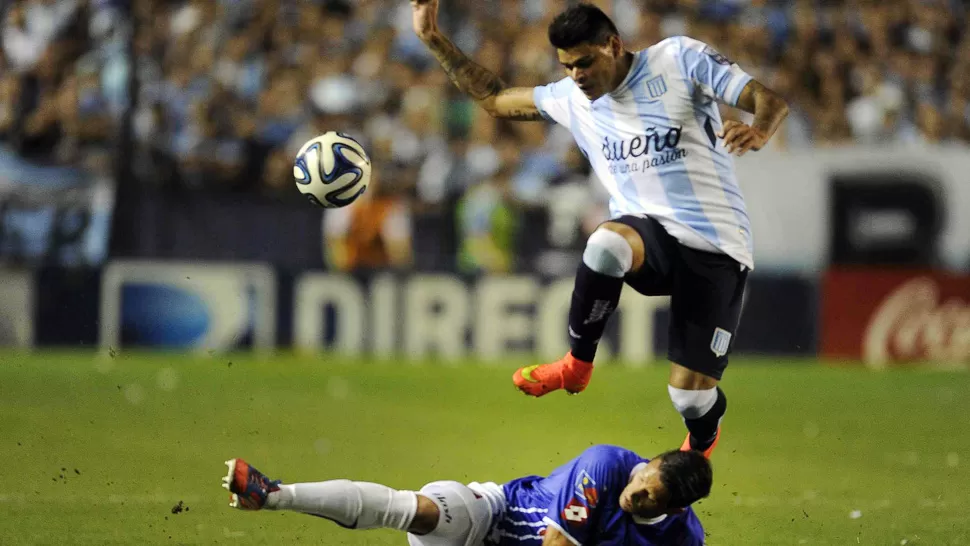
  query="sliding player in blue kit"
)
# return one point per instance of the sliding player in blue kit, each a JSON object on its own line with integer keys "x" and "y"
{"x": 607, "y": 496}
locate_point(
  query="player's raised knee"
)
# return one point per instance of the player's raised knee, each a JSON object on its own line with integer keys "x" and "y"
{"x": 614, "y": 249}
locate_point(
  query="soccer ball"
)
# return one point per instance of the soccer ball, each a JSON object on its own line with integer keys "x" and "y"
{"x": 332, "y": 170}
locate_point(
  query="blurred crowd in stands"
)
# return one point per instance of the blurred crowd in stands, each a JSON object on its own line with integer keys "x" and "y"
{"x": 217, "y": 95}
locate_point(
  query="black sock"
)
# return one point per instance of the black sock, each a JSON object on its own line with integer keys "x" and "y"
{"x": 595, "y": 297}
{"x": 703, "y": 430}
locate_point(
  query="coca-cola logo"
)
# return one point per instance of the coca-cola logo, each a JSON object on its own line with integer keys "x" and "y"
{"x": 913, "y": 323}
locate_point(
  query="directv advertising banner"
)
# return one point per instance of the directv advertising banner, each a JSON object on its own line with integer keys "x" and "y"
{"x": 490, "y": 318}
{"x": 451, "y": 317}
{"x": 188, "y": 306}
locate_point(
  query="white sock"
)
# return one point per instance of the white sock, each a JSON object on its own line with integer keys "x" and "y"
{"x": 692, "y": 404}
{"x": 359, "y": 505}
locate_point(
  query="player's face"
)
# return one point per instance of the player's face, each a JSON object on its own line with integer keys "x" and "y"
{"x": 645, "y": 495}
{"x": 592, "y": 67}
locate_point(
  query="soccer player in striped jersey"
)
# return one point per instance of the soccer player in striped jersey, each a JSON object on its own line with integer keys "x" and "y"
{"x": 649, "y": 124}
{"x": 607, "y": 496}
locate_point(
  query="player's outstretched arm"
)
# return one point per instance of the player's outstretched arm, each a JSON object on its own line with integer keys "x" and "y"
{"x": 769, "y": 110}
{"x": 478, "y": 82}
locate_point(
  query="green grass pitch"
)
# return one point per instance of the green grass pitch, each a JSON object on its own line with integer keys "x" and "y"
{"x": 100, "y": 450}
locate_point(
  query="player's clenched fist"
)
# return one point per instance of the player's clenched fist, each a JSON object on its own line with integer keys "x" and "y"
{"x": 741, "y": 137}
{"x": 425, "y": 16}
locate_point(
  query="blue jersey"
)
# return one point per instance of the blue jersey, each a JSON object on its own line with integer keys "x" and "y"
{"x": 581, "y": 500}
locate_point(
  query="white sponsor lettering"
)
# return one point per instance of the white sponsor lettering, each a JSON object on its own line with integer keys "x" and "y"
{"x": 436, "y": 312}
{"x": 442, "y": 315}
{"x": 501, "y": 320}
{"x": 312, "y": 294}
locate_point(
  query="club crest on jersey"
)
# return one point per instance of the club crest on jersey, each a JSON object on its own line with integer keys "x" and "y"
{"x": 586, "y": 489}
{"x": 720, "y": 342}
{"x": 656, "y": 87}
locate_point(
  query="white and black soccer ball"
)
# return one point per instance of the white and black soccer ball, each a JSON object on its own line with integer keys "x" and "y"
{"x": 332, "y": 170}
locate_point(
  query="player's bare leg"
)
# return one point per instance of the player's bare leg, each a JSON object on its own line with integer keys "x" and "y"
{"x": 701, "y": 403}
{"x": 612, "y": 251}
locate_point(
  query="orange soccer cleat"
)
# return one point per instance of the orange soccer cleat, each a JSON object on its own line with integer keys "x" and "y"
{"x": 568, "y": 373}
{"x": 709, "y": 450}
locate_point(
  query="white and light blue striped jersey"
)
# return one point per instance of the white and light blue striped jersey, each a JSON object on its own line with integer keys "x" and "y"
{"x": 652, "y": 143}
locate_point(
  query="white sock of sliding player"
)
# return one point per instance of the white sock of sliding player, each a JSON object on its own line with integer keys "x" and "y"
{"x": 357, "y": 505}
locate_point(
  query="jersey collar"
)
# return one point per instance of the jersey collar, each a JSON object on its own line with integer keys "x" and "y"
{"x": 625, "y": 84}
{"x": 648, "y": 521}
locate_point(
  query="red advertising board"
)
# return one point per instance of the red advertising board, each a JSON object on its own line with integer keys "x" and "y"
{"x": 884, "y": 316}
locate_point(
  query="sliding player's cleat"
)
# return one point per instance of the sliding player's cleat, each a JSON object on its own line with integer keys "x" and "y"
{"x": 709, "y": 450}
{"x": 568, "y": 373}
{"x": 249, "y": 487}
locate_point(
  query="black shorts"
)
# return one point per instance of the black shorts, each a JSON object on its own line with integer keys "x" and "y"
{"x": 705, "y": 292}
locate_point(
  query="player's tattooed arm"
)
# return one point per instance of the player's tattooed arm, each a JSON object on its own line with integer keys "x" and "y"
{"x": 769, "y": 110}
{"x": 768, "y": 107}
{"x": 470, "y": 77}
{"x": 515, "y": 103}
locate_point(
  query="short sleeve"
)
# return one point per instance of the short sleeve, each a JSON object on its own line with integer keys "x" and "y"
{"x": 716, "y": 76}
{"x": 552, "y": 100}
{"x": 587, "y": 487}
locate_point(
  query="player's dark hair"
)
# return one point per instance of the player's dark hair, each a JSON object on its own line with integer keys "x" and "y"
{"x": 687, "y": 476}
{"x": 581, "y": 24}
